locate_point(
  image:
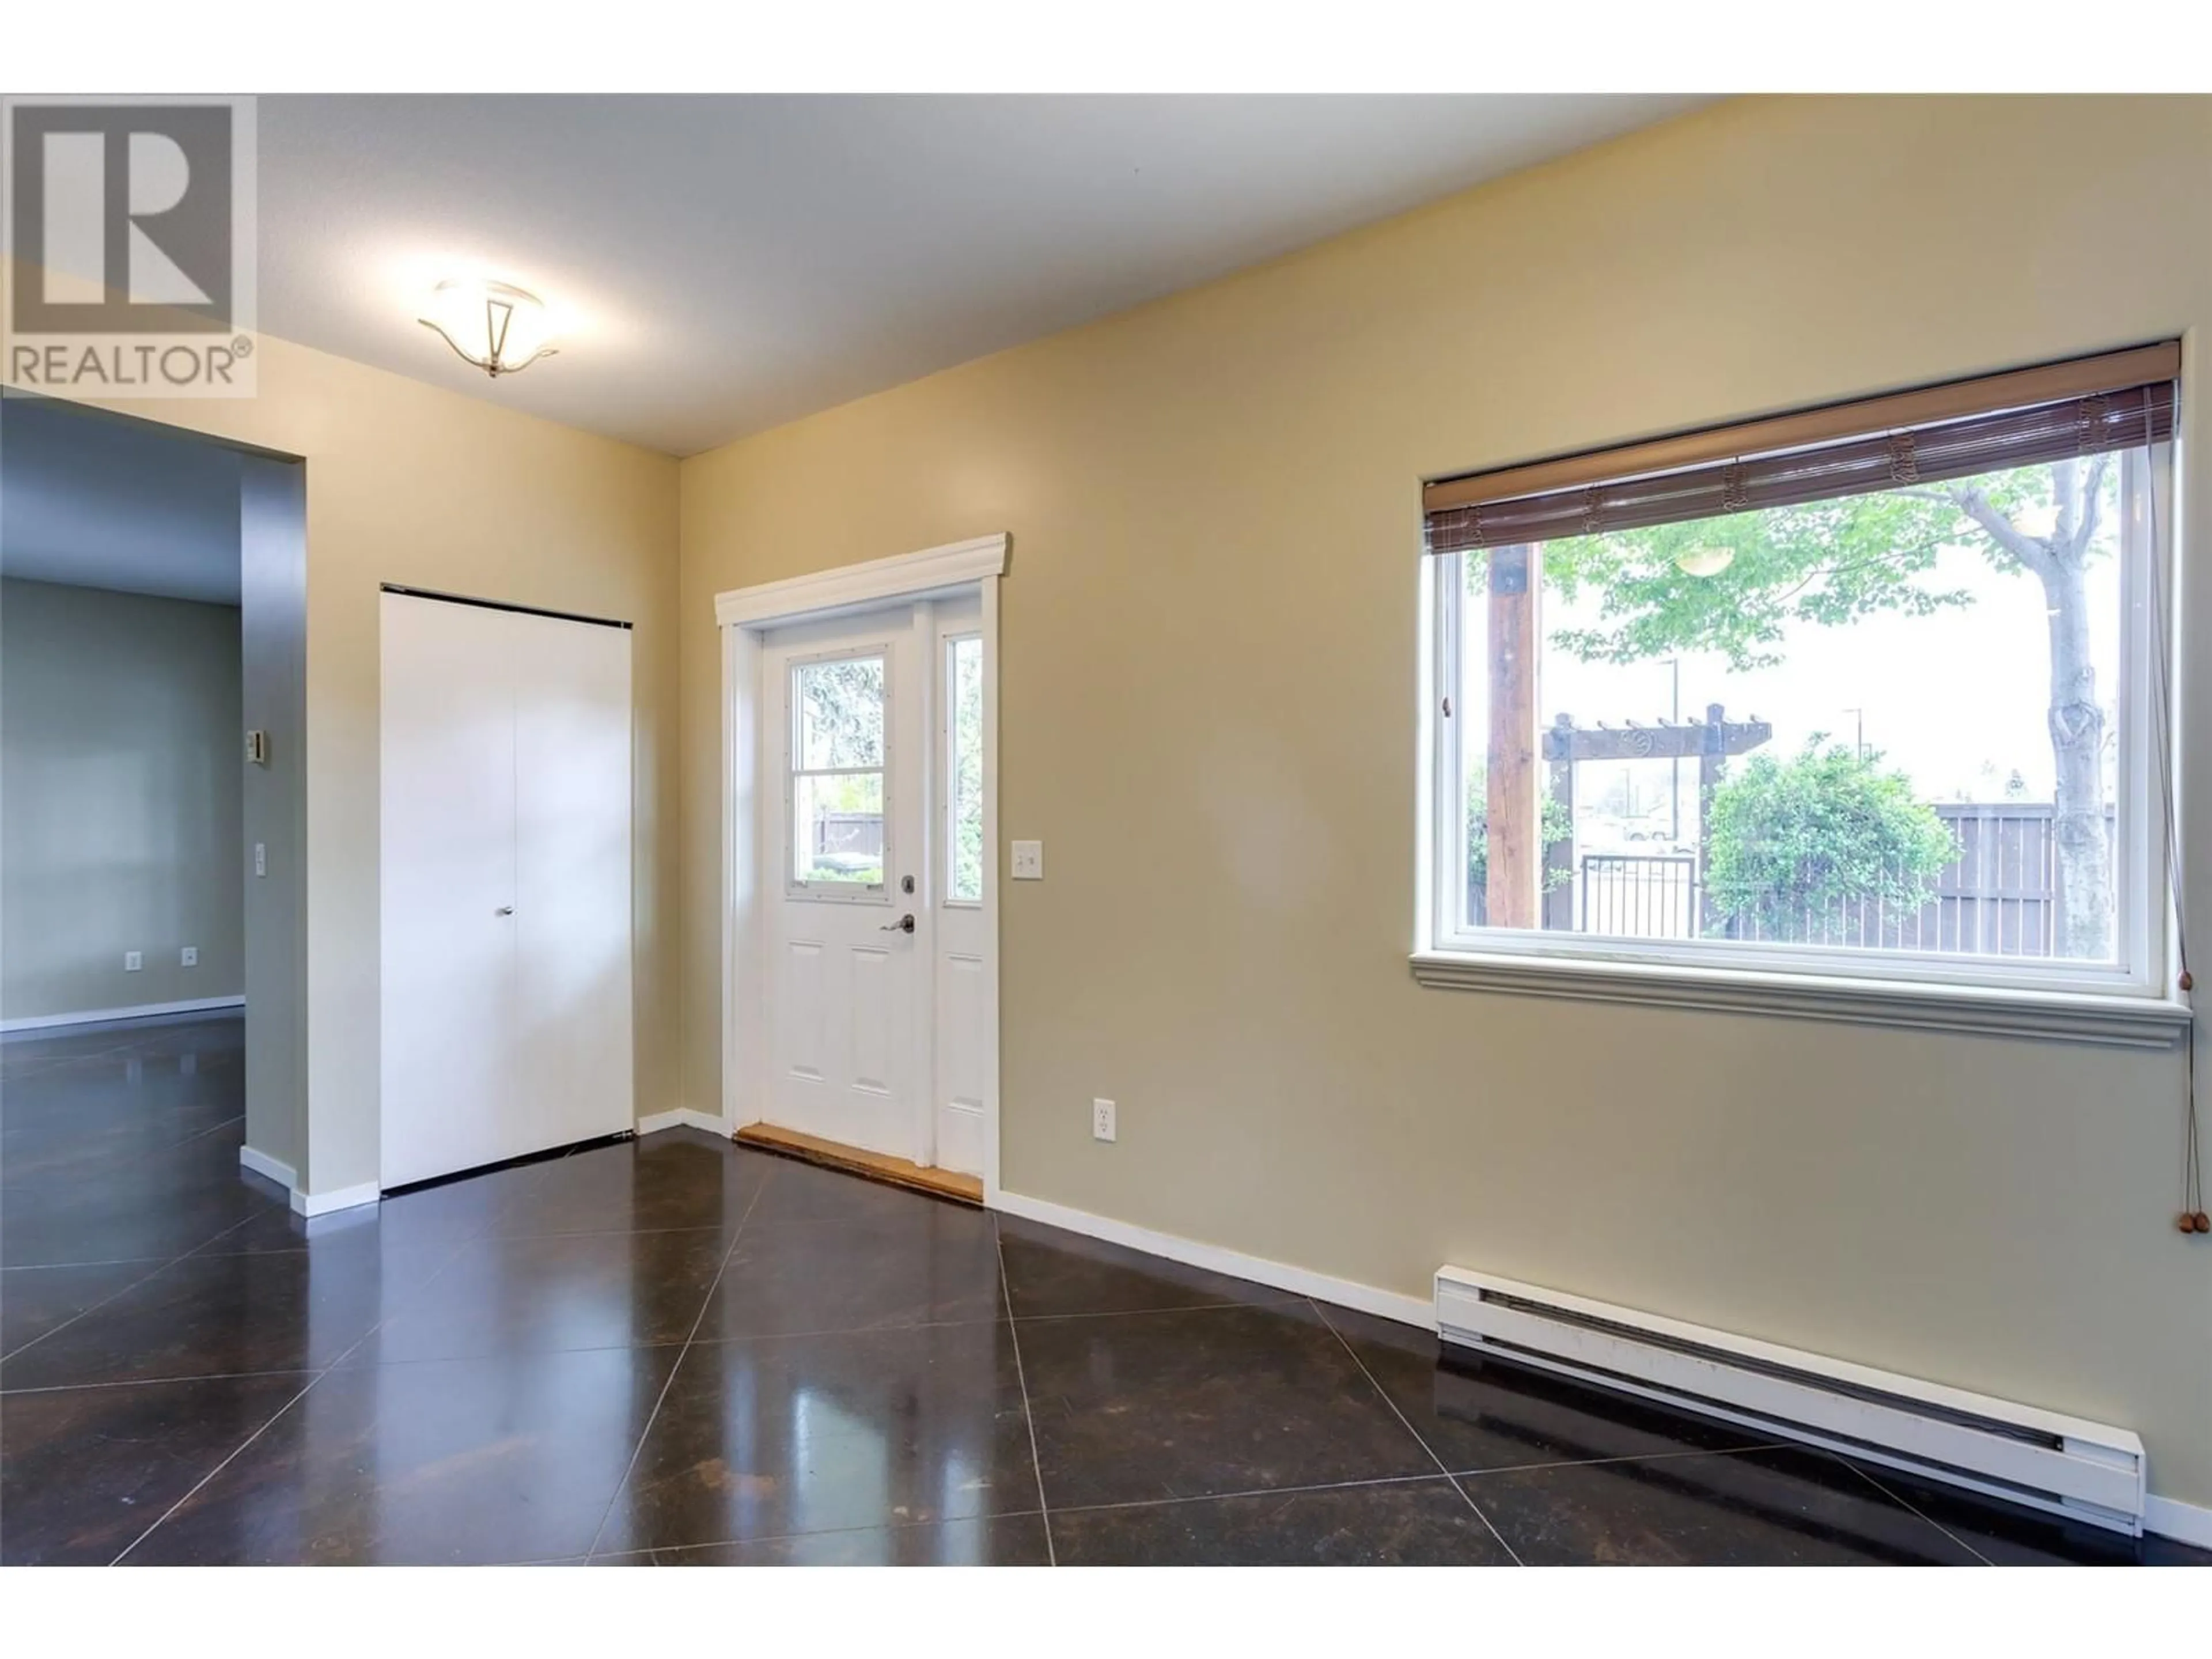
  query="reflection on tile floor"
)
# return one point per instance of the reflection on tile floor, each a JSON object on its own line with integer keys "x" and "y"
{"x": 678, "y": 1352}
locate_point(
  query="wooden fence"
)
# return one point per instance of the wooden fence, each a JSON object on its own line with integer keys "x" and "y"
{"x": 1997, "y": 897}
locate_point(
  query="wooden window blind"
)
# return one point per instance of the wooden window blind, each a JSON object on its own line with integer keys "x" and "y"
{"x": 2118, "y": 401}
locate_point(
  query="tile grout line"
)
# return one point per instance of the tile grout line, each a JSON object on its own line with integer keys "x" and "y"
{"x": 1140, "y": 1313}
{"x": 344, "y": 1354}
{"x": 1898, "y": 1497}
{"x": 161, "y": 1382}
{"x": 1620, "y": 1457}
{"x": 204, "y": 1250}
{"x": 275, "y": 1417}
{"x": 1467, "y": 1497}
{"x": 1255, "y": 1492}
{"x": 160, "y": 1267}
{"x": 822, "y": 1532}
{"x": 109, "y": 1164}
{"x": 1028, "y": 1412}
{"x": 669, "y": 1382}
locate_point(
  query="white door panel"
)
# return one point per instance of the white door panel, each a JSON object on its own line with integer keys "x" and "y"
{"x": 448, "y": 872}
{"x": 572, "y": 836}
{"x": 505, "y": 885}
{"x": 841, "y": 834}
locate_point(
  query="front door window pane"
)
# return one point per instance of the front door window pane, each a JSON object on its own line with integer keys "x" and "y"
{"x": 837, "y": 832}
{"x": 837, "y": 793}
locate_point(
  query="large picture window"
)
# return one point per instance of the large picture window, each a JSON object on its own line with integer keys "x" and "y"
{"x": 1888, "y": 703}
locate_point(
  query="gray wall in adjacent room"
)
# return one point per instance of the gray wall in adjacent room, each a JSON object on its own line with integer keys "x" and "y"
{"x": 121, "y": 814}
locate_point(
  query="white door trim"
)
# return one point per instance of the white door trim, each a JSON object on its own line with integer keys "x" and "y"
{"x": 743, "y": 616}
{"x": 858, "y": 587}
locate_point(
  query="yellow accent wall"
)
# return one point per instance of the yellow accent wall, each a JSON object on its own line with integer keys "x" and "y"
{"x": 1209, "y": 665}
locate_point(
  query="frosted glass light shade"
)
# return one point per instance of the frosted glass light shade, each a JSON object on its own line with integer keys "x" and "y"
{"x": 498, "y": 327}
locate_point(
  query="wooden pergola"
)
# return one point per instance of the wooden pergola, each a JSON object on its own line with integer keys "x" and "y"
{"x": 1567, "y": 746}
{"x": 1519, "y": 858}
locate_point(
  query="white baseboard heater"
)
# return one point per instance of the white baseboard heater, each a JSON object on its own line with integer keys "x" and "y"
{"x": 2044, "y": 1458}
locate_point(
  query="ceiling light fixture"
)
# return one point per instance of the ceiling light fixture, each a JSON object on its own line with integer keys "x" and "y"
{"x": 500, "y": 328}
{"x": 1704, "y": 561}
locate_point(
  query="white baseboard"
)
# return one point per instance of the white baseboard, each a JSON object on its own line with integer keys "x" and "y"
{"x": 116, "y": 1015}
{"x": 2186, "y": 1523}
{"x": 1298, "y": 1281}
{"x": 344, "y": 1198}
{"x": 262, "y": 1164}
{"x": 682, "y": 1118}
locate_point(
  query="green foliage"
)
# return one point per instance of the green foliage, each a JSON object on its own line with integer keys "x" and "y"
{"x": 840, "y": 713}
{"x": 1555, "y": 822}
{"x": 1827, "y": 562}
{"x": 1831, "y": 562}
{"x": 1792, "y": 842}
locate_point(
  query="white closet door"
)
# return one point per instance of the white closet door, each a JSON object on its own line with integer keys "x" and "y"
{"x": 573, "y": 933}
{"x": 506, "y": 888}
{"x": 448, "y": 859}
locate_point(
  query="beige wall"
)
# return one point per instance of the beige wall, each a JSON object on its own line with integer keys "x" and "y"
{"x": 1209, "y": 660}
{"x": 119, "y": 799}
{"x": 407, "y": 483}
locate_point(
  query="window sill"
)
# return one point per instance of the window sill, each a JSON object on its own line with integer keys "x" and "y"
{"x": 2105, "y": 1019}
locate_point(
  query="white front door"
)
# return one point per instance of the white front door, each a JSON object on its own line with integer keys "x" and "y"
{"x": 842, "y": 705}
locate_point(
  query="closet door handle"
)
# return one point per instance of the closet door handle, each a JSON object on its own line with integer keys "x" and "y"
{"x": 504, "y": 910}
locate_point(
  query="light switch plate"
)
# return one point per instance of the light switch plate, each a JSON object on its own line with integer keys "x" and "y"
{"x": 133, "y": 961}
{"x": 189, "y": 955}
{"x": 1029, "y": 861}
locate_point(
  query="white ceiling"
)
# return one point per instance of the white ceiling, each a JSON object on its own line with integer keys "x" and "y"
{"x": 730, "y": 263}
{"x": 97, "y": 502}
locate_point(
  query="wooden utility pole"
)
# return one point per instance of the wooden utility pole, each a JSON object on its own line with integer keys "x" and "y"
{"x": 1516, "y": 842}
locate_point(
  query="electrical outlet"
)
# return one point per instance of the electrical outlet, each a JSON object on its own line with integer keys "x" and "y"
{"x": 133, "y": 961}
{"x": 260, "y": 858}
{"x": 1102, "y": 1119}
{"x": 189, "y": 955}
{"x": 1029, "y": 861}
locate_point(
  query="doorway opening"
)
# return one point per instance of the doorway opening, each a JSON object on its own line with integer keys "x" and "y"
{"x": 152, "y": 863}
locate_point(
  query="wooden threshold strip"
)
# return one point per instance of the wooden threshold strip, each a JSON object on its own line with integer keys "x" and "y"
{"x": 876, "y": 1166}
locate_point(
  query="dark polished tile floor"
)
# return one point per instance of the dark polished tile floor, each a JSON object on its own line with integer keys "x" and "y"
{"x": 678, "y": 1352}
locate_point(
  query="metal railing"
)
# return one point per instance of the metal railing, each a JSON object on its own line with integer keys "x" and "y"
{"x": 1637, "y": 895}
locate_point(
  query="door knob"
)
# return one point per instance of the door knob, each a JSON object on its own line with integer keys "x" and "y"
{"x": 903, "y": 925}
{"x": 504, "y": 910}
